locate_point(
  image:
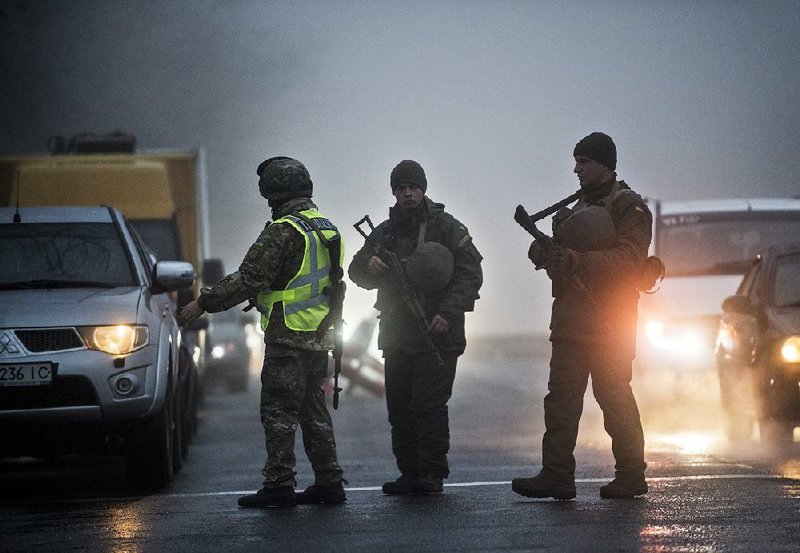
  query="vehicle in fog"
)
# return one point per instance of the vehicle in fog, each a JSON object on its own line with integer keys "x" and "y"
{"x": 230, "y": 354}
{"x": 758, "y": 349}
{"x": 362, "y": 366}
{"x": 89, "y": 342}
{"x": 163, "y": 193}
{"x": 706, "y": 246}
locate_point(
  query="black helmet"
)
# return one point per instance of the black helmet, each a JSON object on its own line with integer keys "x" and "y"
{"x": 282, "y": 178}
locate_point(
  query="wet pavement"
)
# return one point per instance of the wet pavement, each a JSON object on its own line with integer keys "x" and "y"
{"x": 705, "y": 495}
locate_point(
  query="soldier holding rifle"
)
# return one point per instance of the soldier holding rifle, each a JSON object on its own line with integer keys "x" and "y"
{"x": 428, "y": 273}
{"x": 596, "y": 262}
{"x": 292, "y": 273}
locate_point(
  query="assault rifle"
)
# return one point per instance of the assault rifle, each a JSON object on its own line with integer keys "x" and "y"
{"x": 398, "y": 274}
{"x": 527, "y": 222}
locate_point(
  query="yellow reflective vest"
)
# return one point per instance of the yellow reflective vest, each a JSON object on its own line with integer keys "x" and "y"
{"x": 304, "y": 301}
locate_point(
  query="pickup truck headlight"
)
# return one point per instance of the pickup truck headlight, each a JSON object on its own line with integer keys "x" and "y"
{"x": 790, "y": 349}
{"x": 117, "y": 339}
{"x": 673, "y": 338}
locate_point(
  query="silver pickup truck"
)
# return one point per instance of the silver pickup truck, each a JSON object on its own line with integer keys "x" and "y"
{"x": 89, "y": 342}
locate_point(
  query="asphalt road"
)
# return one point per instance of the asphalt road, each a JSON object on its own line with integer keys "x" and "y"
{"x": 704, "y": 494}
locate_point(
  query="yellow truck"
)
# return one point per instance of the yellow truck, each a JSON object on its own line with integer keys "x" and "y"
{"x": 162, "y": 193}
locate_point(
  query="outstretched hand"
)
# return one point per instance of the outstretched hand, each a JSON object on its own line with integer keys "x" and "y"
{"x": 190, "y": 312}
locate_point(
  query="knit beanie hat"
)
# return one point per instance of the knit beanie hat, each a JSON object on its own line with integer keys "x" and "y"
{"x": 599, "y": 147}
{"x": 408, "y": 172}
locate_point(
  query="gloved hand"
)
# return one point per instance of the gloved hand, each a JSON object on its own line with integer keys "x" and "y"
{"x": 561, "y": 263}
{"x": 537, "y": 255}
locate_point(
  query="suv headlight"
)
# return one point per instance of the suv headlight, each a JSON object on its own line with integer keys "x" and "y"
{"x": 117, "y": 339}
{"x": 790, "y": 349}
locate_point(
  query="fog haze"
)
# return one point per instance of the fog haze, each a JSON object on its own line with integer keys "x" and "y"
{"x": 490, "y": 97}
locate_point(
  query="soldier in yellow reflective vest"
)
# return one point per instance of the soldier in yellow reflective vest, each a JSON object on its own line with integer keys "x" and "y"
{"x": 288, "y": 270}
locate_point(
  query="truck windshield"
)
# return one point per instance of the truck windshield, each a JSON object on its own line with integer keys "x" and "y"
{"x": 63, "y": 255}
{"x": 720, "y": 243}
{"x": 161, "y": 236}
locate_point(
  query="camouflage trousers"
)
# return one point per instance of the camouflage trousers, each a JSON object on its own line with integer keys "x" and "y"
{"x": 291, "y": 393}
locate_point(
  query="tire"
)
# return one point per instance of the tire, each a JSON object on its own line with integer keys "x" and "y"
{"x": 777, "y": 433}
{"x": 738, "y": 426}
{"x": 180, "y": 440}
{"x": 150, "y": 462}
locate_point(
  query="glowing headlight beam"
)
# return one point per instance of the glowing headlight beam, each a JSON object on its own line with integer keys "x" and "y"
{"x": 790, "y": 349}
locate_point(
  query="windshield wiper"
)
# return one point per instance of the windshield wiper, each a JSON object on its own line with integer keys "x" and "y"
{"x": 51, "y": 283}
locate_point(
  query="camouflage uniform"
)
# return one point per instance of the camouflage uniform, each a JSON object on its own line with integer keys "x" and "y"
{"x": 295, "y": 363}
{"x": 417, "y": 388}
{"x": 595, "y": 334}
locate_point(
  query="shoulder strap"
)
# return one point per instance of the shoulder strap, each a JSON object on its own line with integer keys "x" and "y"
{"x": 609, "y": 200}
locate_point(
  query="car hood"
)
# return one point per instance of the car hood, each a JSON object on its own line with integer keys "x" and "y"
{"x": 785, "y": 320}
{"x": 69, "y": 307}
{"x": 696, "y": 296}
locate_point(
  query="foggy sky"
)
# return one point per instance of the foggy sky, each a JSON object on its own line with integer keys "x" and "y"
{"x": 490, "y": 97}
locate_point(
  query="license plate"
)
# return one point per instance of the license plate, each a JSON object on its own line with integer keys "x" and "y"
{"x": 26, "y": 374}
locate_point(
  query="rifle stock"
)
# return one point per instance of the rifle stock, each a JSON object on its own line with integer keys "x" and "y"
{"x": 526, "y": 221}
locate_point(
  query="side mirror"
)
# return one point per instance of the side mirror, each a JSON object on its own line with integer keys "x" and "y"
{"x": 173, "y": 275}
{"x": 737, "y": 304}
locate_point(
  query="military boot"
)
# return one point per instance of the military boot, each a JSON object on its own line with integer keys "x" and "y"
{"x": 624, "y": 487}
{"x": 427, "y": 484}
{"x": 541, "y": 486}
{"x": 283, "y": 496}
{"x": 317, "y": 495}
{"x": 402, "y": 486}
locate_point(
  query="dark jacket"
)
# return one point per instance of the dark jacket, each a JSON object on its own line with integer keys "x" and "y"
{"x": 400, "y": 234}
{"x": 607, "y": 313}
{"x": 270, "y": 263}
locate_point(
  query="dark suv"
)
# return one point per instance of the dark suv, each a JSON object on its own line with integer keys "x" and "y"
{"x": 758, "y": 349}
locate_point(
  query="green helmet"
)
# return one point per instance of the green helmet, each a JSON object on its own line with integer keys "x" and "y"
{"x": 282, "y": 178}
{"x": 430, "y": 267}
{"x": 587, "y": 229}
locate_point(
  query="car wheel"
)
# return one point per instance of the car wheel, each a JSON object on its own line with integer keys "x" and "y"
{"x": 738, "y": 426}
{"x": 179, "y": 438}
{"x": 776, "y": 433}
{"x": 150, "y": 464}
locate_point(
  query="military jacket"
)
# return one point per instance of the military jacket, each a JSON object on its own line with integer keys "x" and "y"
{"x": 400, "y": 233}
{"x": 270, "y": 263}
{"x": 606, "y": 311}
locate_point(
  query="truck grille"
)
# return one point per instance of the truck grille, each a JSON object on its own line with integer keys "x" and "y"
{"x": 66, "y": 391}
{"x": 49, "y": 339}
